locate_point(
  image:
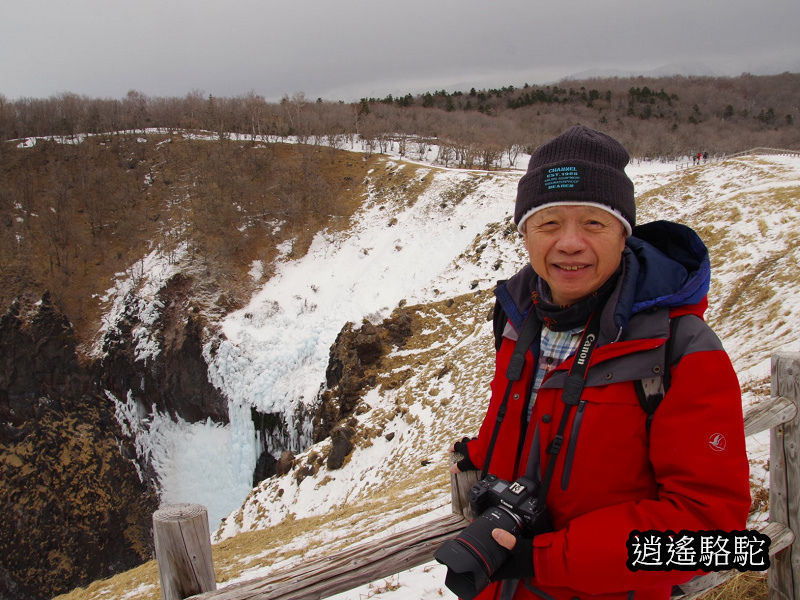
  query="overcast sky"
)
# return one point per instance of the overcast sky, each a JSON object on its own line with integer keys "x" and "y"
{"x": 347, "y": 49}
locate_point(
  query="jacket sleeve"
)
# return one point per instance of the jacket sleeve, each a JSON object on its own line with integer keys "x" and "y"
{"x": 701, "y": 485}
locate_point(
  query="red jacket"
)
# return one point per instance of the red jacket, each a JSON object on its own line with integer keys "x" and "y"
{"x": 612, "y": 475}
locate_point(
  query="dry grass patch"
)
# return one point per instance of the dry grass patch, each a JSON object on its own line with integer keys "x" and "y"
{"x": 396, "y": 185}
{"x": 753, "y": 291}
{"x": 745, "y": 586}
{"x": 140, "y": 583}
{"x": 456, "y": 193}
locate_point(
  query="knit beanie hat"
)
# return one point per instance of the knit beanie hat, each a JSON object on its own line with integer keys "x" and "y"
{"x": 580, "y": 166}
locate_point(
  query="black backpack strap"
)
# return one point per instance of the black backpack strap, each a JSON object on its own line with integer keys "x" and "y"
{"x": 499, "y": 319}
{"x": 670, "y": 353}
{"x": 651, "y": 391}
{"x": 530, "y": 330}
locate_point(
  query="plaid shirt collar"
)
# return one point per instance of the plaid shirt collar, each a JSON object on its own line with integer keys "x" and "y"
{"x": 554, "y": 348}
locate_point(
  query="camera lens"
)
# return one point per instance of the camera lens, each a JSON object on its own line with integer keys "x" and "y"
{"x": 473, "y": 555}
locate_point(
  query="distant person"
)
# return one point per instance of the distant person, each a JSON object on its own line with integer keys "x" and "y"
{"x": 609, "y": 319}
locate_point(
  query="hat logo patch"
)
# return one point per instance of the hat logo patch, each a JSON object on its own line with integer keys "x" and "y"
{"x": 563, "y": 178}
{"x": 717, "y": 442}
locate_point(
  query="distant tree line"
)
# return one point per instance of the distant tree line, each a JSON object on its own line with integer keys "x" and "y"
{"x": 656, "y": 117}
{"x": 73, "y": 216}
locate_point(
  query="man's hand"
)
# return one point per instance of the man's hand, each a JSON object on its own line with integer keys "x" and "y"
{"x": 519, "y": 564}
{"x": 505, "y": 539}
{"x": 466, "y": 463}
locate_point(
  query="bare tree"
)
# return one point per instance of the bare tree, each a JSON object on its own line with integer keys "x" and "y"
{"x": 294, "y": 108}
{"x": 134, "y": 107}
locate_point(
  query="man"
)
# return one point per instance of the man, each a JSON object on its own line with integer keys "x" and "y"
{"x": 628, "y": 302}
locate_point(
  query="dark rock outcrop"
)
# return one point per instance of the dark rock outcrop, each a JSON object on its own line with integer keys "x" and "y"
{"x": 74, "y": 508}
{"x": 37, "y": 358}
{"x": 341, "y": 446}
{"x": 353, "y": 350}
{"x": 354, "y": 356}
{"x": 285, "y": 463}
{"x": 175, "y": 380}
{"x": 266, "y": 467}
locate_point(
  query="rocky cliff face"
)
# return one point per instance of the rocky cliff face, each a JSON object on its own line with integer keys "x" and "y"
{"x": 354, "y": 356}
{"x": 74, "y": 507}
{"x": 174, "y": 379}
{"x": 78, "y": 500}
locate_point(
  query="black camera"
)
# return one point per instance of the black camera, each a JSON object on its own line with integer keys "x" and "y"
{"x": 473, "y": 556}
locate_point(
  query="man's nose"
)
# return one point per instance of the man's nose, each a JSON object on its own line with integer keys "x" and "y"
{"x": 571, "y": 239}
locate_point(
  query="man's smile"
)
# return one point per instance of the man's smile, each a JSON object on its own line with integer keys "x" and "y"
{"x": 571, "y": 267}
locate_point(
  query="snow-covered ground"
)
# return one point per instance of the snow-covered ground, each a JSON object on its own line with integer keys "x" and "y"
{"x": 276, "y": 349}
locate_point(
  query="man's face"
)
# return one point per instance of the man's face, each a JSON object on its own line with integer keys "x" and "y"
{"x": 575, "y": 249}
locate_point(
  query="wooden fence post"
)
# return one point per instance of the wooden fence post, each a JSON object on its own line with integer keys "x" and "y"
{"x": 460, "y": 484}
{"x": 784, "y": 479}
{"x": 183, "y": 551}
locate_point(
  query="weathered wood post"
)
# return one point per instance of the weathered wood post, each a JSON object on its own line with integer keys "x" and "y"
{"x": 784, "y": 479}
{"x": 460, "y": 484}
{"x": 183, "y": 551}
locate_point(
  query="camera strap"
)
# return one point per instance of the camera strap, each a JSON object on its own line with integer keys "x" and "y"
{"x": 573, "y": 388}
{"x": 530, "y": 329}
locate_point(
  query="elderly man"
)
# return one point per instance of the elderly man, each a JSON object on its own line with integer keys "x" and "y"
{"x": 603, "y": 326}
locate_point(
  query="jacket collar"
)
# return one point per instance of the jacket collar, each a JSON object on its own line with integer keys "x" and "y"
{"x": 664, "y": 265}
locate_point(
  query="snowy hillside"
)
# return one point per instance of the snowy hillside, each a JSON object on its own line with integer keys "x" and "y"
{"x": 439, "y": 256}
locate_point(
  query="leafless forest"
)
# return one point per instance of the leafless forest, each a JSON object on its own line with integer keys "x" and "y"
{"x": 74, "y": 216}
{"x": 653, "y": 117}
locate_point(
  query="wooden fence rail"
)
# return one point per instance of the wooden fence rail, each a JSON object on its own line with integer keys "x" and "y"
{"x": 350, "y": 568}
{"x": 370, "y": 561}
{"x": 766, "y": 151}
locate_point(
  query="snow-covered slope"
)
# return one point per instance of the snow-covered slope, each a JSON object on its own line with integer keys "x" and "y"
{"x": 276, "y": 348}
{"x": 746, "y": 209}
{"x": 440, "y": 255}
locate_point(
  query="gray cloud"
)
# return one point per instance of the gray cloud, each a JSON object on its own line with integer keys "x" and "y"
{"x": 352, "y": 48}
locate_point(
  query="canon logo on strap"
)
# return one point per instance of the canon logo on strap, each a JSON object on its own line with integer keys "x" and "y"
{"x": 585, "y": 349}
